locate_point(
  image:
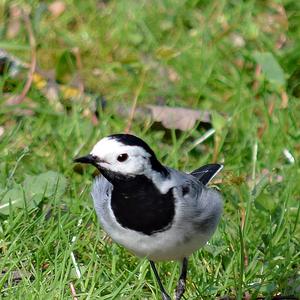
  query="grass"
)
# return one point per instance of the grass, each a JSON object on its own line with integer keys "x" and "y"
{"x": 197, "y": 54}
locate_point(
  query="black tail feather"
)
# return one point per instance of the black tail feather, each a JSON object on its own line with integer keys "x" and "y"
{"x": 206, "y": 173}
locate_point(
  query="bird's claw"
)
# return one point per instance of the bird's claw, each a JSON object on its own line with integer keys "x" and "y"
{"x": 166, "y": 297}
{"x": 180, "y": 289}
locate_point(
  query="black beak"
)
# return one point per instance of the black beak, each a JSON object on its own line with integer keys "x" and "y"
{"x": 88, "y": 159}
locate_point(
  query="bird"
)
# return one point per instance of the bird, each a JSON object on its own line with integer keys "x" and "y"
{"x": 154, "y": 211}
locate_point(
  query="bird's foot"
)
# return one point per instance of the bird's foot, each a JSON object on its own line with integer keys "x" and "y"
{"x": 180, "y": 289}
{"x": 166, "y": 296}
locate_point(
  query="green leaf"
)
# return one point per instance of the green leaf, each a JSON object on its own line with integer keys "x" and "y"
{"x": 12, "y": 198}
{"x": 65, "y": 67}
{"x": 33, "y": 190}
{"x": 46, "y": 184}
{"x": 270, "y": 68}
{"x": 165, "y": 52}
{"x": 263, "y": 201}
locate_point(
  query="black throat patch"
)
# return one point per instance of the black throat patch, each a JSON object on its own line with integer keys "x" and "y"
{"x": 138, "y": 205}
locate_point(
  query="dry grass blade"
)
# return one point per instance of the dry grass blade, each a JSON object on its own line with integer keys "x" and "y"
{"x": 73, "y": 291}
{"x": 284, "y": 100}
{"x": 79, "y": 69}
{"x": 134, "y": 104}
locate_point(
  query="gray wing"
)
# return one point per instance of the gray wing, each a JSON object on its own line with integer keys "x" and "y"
{"x": 198, "y": 203}
{"x": 209, "y": 209}
{"x": 101, "y": 194}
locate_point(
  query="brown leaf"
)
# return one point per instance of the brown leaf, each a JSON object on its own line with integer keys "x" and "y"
{"x": 178, "y": 117}
{"x": 57, "y": 8}
{"x": 170, "y": 117}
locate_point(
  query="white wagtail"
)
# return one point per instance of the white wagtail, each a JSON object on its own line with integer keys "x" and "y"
{"x": 154, "y": 211}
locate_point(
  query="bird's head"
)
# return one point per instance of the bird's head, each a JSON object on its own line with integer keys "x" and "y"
{"x": 122, "y": 156}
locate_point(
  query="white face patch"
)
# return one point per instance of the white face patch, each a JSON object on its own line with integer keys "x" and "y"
{"x": 108, "y": 150}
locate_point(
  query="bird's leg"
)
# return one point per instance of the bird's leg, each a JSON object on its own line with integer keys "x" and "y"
{"x": 165, "y": 296}
{"x": 180, "y": 289}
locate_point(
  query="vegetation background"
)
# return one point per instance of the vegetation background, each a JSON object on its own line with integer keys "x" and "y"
{"x": 88, "y": 62}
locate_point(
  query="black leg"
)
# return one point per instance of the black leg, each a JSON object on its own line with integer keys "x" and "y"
{"x": 180, "y": 289}
{"x": 165, "y": 296}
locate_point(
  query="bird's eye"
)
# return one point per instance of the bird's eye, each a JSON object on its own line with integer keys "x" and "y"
{"x": 122, "y": 157}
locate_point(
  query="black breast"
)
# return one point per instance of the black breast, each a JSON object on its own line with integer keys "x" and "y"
{"x": 138, "y": 205}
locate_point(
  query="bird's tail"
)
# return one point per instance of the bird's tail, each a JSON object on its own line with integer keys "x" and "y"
{"x": 206, "y": 173}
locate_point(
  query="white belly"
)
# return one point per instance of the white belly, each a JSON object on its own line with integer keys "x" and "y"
{"x": 160, "y": 246}
{"x": 180, "y": 240}
{"x": 175, "y": 243}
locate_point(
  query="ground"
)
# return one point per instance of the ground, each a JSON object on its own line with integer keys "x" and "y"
{"x": 238, "y": 61}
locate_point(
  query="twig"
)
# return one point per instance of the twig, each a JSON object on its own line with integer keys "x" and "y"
{"x": 19, "y": 99}
{"x": 73, "y": 291}
{"x": 136, "y": 96}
